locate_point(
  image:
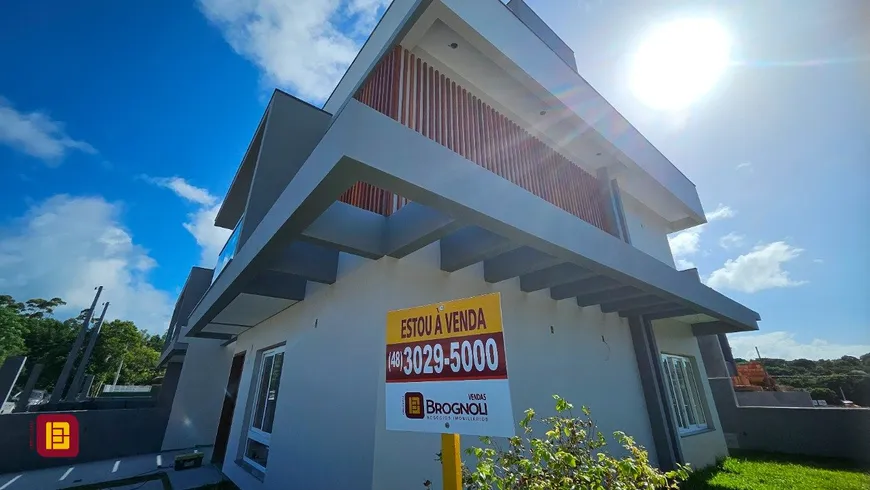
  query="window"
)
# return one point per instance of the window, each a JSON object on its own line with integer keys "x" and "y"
{"x": 263, "y": 410}
{"x": 684, "y": 393}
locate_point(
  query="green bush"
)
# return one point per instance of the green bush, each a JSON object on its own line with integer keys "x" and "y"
{"x": 826, "y": 394}
{"x": 570, "y": 456}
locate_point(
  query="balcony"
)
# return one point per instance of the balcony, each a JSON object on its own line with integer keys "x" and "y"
{"x": 174, "y": 346}
{"x": 229, "y": 250}
{"x": 408, "y": 89}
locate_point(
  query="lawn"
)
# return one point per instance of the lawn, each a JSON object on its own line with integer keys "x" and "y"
{"x": 757, "y": 471}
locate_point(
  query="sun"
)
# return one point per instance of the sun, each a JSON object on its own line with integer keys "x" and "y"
{"x": 679, "y": 62}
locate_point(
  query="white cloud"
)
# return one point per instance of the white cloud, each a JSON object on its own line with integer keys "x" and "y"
{"x": 745, "y": 166}
{"x": 200, "y": 222}
{"x": 783, "y": 345}
{"x": 818, "y": 261}
{"x": 683, "y": 264}
{"x": 685, "y": 242}
{"x": 66, "y": 246}
{"x": 302, "y": 45}
{"x": 757, "y": 270}
{"x": 731, "y": 240}
{"x": 721, "y": 212}
{"x": 186, "y": 191}
{"x": 688, "y": 242}
{"x": 37, "y": 134}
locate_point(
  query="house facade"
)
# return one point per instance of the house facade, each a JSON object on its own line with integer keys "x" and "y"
{"x": 460, "y": 154}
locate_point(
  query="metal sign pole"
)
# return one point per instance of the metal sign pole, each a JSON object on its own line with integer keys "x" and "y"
{"x": 451, "y": 462}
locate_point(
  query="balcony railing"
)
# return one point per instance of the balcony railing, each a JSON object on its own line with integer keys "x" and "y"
{"x": 409, "y": 90}
{"x": 229, "y": 250}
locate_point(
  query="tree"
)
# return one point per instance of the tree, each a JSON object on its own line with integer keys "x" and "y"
{"x": 120, "y": 340}
{"x": 12, "y": 331}
{"x": 826, "y": 394}
{"x": 39, "y": 308}
{"x": 48, "y": 343}
{"x": 848, "y": 373}
{"x": 29, "y": 328}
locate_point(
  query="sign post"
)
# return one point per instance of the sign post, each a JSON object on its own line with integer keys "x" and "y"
{"x": 446, "y": 372}
{"x": 451, "y": 462}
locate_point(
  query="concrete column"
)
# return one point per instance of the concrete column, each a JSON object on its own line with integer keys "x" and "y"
{"x": 166, "y": 393}
{"x": 605, "y": 194}
{"x": 62, "y": 380}
{"x": 28, "y": 388}
{"x": 86, "y": 387}
{"x": 611, "y": 201}
{"x": 661, "y": 419}
{"x": 76, "y": 385}
{"x": 9, "y": 373}
{"x": 711, "y": 353}
{"x": 727, "y": 354}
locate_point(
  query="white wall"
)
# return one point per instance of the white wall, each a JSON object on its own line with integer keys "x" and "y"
{"x": 648, "y": 231}
{"x": 702, "y": 449}
{"x": 199, "y": 397}
{"x": 329, "y": 426}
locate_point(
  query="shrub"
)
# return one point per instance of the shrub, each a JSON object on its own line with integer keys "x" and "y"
{"x": 571, "y": 455}
{"x": 827, "y": 394}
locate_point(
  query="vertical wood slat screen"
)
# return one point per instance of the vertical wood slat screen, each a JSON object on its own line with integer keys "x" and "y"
{"x": 409, "y": 90}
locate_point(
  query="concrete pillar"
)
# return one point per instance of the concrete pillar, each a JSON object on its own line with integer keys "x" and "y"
{"x": 62, "y": 380}
{"x": 661, "y": 419}
{"x": 86, "y": 387}
{"x": 727, "y": 354}
{"x": 166, "y": 393}
{"x": 711, "y": 353}
{"x": 609, "y": 204}
{"x": 28, "y": 388}
{"x": 76, "y": 386}
{"x": 9, "y": 373}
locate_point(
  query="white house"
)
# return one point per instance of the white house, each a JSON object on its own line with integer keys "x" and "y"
{"x": 460, "y": 154}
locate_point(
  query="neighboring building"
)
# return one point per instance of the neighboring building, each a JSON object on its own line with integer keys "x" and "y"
{"x": 460, "y": 154}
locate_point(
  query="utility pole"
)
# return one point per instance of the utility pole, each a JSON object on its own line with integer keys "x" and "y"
{"x": 76, "y": 386}
{"x": 74, "y": 351}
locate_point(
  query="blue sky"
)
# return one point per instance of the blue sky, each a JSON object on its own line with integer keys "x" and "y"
{"x": 122, "y": 125}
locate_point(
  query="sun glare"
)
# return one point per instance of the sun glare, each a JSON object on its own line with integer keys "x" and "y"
{"x": 679, "y": 62}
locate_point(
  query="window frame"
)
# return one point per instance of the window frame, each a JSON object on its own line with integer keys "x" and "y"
{"x": 253, "y": 433}
{"x": 685, "y": 394}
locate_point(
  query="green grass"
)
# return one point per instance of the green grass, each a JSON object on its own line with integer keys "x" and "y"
{"x": 762, "y": 471}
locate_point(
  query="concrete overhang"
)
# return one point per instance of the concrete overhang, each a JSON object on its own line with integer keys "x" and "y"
{"x": 195, "y": 286}
{"x": 516, "y": 72}
{"x": 233, "y": 205}
{"x": 175, "y": 353}
{"x": 571, "y": 257}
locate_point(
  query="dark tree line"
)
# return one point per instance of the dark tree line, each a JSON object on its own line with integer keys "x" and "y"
{"x": 29, "y": 328}
{"x": 824, "y": 378}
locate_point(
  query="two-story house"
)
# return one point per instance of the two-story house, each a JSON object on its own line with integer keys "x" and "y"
{"x": 460, "y": 154}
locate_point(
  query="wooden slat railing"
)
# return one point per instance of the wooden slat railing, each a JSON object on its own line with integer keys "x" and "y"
{"x": 409, "y": 90}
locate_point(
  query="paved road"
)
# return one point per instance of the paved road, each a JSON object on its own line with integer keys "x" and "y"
{"x": 106, "y": 471}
